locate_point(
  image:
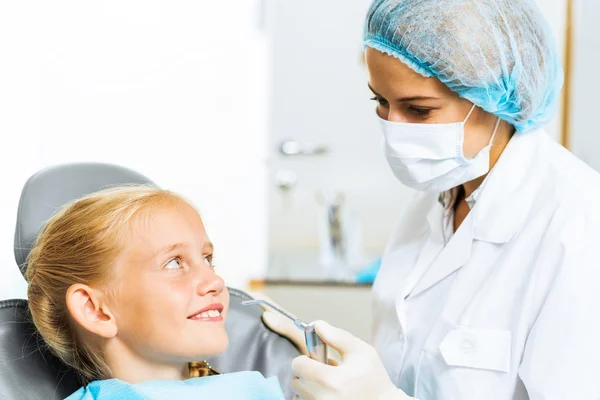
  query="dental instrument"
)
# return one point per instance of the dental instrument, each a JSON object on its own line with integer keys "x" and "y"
{"x": 317, "y": 349}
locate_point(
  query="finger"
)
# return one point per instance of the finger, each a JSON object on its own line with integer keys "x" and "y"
{"x": 292, "y": 384}
{"x": 279, "y": 323}
{"x": 284, "y": 327}
{"x": 334, "y": 362}
{"x": 304, "y": 390}
{"x": 339, "y": 339}
{"x": 333, "y": 356}
{"x": 310, "y": 370}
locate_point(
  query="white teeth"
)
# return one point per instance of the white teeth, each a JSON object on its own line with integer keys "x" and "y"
{"x": 208, "y": 314}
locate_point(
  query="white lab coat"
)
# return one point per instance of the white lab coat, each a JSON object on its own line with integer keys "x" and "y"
{"x": 509, "y": 307}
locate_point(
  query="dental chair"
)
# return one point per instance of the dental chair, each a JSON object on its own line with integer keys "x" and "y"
{"x": 29, "y": 371}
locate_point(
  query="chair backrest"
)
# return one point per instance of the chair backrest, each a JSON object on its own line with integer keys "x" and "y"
{"x": 29, "y": 371}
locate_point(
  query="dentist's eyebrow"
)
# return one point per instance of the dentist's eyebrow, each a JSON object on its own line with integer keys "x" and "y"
{"x": 406, "y": 99}
{"x": 414, "y": 98}
{"x": 373, "y": 90}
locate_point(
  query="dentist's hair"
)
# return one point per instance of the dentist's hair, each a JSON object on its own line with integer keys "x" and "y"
{"x": 80, "y": 244}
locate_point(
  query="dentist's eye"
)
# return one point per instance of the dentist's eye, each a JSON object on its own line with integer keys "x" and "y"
{"x": 173, "y": 264}
{"x": 380, "y": 100}
{"x": 419, "y": 112}
{"x": 208, "y": 260}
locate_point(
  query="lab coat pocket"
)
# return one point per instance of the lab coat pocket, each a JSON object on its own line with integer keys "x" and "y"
{"x": 477, "y": 348}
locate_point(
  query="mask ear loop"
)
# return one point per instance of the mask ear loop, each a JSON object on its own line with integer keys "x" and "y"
{"x": 495, "y": 127}
{"x": 469, "y": 114}
{"x": 461, "y": 136}
{"x": 495, "y": 131}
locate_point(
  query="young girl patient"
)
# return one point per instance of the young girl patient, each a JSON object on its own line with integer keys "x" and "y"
{"x": 122, "y": 287}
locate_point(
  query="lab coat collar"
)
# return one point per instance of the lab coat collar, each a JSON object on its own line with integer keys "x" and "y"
{"x": 499, "y": 211}
{"x": 453, "y": 256}
{"x": 500, "y": 203}
{"x": 509, "y": 189}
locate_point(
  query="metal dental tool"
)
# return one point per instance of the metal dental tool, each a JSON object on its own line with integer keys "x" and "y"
{"x": 317, "y": 349}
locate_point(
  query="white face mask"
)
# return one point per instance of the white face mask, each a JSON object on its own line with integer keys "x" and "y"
{"x": 429, "y": 157}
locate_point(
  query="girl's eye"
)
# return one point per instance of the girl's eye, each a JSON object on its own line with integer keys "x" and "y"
{"x": 173, "y": 264}
{"x": 208, "y": 260}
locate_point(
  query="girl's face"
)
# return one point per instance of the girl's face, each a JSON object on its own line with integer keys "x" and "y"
{"x": 170, "y": 305}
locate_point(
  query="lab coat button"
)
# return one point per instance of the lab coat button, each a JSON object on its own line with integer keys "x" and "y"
{"x": 467, "y": 345}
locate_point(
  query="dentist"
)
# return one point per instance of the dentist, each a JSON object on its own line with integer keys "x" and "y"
{"x": 490, "y": 286}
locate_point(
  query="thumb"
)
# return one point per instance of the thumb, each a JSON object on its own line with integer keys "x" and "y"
{"x": 337, "y": 338}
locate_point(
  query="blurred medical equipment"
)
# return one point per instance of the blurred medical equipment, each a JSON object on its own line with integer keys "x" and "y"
{"x": 341, "y": 251}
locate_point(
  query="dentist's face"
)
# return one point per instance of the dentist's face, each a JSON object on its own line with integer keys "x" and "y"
{"x": 171, "y": 305}
{"x": 403, "y": 95}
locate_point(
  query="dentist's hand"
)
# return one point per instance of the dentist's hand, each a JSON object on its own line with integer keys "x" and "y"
{"x": 359, "y": 376}
{"x": 282, "y": 325}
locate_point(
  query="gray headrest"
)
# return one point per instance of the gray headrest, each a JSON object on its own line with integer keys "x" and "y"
{"x": 51, "y": 188}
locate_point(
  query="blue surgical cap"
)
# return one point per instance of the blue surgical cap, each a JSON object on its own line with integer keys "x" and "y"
{"x": 498, "y": 54}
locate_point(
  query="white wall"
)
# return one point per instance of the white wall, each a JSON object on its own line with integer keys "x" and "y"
{"x": 585, "y": 140}
{"x": 175, "y": 90}
{"x": 554, "y": 11}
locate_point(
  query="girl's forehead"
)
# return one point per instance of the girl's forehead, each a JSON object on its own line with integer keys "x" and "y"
{"x": 165, "y": 226}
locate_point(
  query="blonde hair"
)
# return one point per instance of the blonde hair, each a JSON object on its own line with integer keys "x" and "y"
{"x": 79, "y": 244}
